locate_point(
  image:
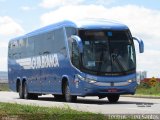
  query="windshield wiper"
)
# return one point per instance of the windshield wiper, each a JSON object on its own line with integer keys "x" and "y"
{"x": 116, "y": 58}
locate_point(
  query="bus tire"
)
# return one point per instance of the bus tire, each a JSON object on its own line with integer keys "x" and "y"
{"x": 21, "y": 91}
{"x": 67, "y": 94}
{"x": 113, "y": 98}
{"x": 26, "y": 94}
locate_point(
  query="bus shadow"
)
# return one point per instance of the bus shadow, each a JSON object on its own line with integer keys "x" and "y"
{"x": 93, "y": 101}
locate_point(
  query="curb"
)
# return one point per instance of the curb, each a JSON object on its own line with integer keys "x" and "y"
{"x": 142, "y": 96}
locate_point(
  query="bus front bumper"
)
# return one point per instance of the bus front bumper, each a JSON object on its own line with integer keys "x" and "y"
{"x": 93, "y": 89}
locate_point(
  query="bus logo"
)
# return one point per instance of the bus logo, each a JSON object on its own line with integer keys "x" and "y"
{"x": 44, "y": 61}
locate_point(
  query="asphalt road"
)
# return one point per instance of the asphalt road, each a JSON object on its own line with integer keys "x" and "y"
{"x": 92, "y": 104}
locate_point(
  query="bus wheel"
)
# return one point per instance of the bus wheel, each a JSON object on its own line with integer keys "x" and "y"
{"x": 113, "y": 98}
{"x": 26, "y": 94}
{"x": 67, "y": 94}
{"x": 21, "y": 91}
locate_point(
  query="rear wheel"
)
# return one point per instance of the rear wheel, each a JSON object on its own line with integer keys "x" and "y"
{"x": 113, "y": 98}
{"x": 21, "y": 91}
{"x": 67, "y": 94}
{"x": 26, "y": 94}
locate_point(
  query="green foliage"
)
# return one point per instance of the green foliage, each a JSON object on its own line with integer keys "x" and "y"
{"x": 4, "y": 87}
{"x": 144, "y": 85}
{"x": 145, "y": 89}
{"x": 26, "y": 112}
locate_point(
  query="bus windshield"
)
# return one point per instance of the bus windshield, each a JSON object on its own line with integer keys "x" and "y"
{"x": 108, "y": 52}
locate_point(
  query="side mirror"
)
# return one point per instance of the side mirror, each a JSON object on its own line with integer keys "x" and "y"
{"x": 78, "y": 41}
{"x": 141, "y": 44}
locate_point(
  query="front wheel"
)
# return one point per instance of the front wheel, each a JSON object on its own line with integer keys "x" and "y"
{"x": 113, "y": 98}
{"x": 67, "y": 94}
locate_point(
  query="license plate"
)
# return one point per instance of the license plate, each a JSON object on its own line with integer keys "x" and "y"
{"x": 112, "y": 90}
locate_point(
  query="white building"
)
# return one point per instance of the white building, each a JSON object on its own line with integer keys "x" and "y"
{"x": 141, "y": 75}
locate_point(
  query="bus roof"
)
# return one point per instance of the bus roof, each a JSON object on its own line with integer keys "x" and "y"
{"x": 100, "y": 24}
{"x": 81, "y": 24}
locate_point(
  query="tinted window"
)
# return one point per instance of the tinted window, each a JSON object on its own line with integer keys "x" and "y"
{"x": 59, "y": 41}
{"x": 30, "y": 47}
{"x": 40, "y": 44}
{"x": 14, "y": 49}
{"x": 70, "y": 31}
{"x": 75, "y": 54}
{"x": 108, "y": 52}
{"x": 50, "y": 42}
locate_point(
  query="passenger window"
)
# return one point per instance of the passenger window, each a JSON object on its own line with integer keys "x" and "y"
{"x": 15, "y": 44}
{"x": 30, "y": 46}
{"x": 59, "y": 41}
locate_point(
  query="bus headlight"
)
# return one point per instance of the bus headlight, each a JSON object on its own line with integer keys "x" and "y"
{"x": 80, "y": 77}
{"x": 131, "y": 80}
{"x": 85, "y": 79}
{"x": 90, "y": 80}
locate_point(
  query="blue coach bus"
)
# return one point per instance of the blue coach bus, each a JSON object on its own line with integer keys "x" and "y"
{"x": 69, "y": 59}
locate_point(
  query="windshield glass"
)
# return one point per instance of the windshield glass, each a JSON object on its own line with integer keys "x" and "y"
{"x": 107, "y": 51}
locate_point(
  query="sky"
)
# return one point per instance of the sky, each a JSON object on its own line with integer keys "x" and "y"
{"x": 18, "y": 17}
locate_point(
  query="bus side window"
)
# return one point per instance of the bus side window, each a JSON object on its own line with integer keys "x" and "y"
{"x": 30, "y": 46}
{"x": 75, "y": 54}
{"x": 70, "y": 31}
{"x": 22, "y": 48}
{"x": 10, "y": 50}
{"x": 59, "y": 42}
{"x": 14, "y": 49}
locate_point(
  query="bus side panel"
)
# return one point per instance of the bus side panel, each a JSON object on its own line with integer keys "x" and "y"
{"x": 50, "y": 53}
{"x": 11, "y": 78}
{"x": 13, "y": 67}
{"x": 43, "y": 76}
